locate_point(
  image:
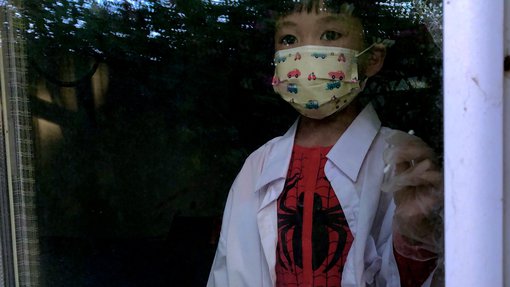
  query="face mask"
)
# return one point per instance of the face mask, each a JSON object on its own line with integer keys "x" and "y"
{"x": 317, "y": 80}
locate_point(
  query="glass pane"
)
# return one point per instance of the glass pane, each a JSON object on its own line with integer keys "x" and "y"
{"x": 145, "y": 111}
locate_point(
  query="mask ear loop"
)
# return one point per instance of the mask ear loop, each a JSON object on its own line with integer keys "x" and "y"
{"x": 364, "y": 81}
{"x": 386, "y": 42}
{"x": 364, "y": 51}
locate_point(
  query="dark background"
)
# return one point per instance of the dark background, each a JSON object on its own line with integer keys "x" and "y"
{"x": 132, "y": 192}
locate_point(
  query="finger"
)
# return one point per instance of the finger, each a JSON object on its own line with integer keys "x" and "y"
{"x": 396, "y": 137}
{"x": 407, "y": 153}
{"x": 417, "y": 199}
{"x": 422, "y": 174}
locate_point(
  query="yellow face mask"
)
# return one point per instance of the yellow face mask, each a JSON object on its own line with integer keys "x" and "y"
{"x": 317, "y": 80}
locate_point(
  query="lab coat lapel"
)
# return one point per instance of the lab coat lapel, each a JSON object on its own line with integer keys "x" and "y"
{"x": 269, "y": 187}
{"x": 345, "y": 161}
{"x": 343, "y": 171}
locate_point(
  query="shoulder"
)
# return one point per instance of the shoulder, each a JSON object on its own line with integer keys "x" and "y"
{"x": 255, "y": 162}
{"x": 383, "y": 136}
{"x": 271, "y": 158}
{"x": 243, "y": 198}
{"x": 377, "y": 142}
{"x": 264, "y": 150}
{"x": 382, "y": 142}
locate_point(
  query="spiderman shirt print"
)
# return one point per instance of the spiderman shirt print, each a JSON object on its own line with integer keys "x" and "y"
{"x": 313, "y": 235}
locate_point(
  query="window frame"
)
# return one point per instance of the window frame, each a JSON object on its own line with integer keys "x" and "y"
{"x": 474, "y": 135}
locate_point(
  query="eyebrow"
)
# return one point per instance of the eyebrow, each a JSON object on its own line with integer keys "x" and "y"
{"x": 287, "y": 24}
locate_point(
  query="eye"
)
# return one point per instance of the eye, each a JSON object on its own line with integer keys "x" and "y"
{"x": 330, "y": 36}
{"x": 288, "y": 40}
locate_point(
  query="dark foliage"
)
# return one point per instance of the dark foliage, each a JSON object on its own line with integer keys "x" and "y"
{"x": 188, "y": 98}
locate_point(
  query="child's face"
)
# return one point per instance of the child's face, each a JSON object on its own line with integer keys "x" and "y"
{"x": 323, "y": 29}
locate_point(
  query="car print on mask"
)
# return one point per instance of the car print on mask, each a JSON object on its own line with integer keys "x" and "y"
{"x": 280, "y": 59}
{"x": 319, "y": 55}
{"x": 312, "y": 77}
{"x": 294, "y": 73}
{"x": 276, "y": 81}
{"x": 335, "y": 84}
{"x": 292, "y": 88}
{"x": 354, "y": 80}
{"x": 337, "y": 75}
{"x": 297, "y": 56}
{"x": 312, "y": 105}
{"x": 341, "y": 58}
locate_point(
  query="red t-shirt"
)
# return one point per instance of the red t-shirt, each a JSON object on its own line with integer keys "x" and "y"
{"x": 313, "y": 235}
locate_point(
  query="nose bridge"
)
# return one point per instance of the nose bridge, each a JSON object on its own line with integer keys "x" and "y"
{"x": 310, "y": 38}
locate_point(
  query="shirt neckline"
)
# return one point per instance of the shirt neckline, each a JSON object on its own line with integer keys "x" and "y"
{"x": 301, "y": 148}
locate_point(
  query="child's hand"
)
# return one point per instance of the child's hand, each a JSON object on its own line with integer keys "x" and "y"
{"x": 416, "y": 181}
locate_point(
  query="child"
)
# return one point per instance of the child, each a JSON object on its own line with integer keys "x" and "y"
{"x": 338, "y": 200}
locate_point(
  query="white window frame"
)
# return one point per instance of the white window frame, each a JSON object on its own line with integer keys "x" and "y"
{"x": 476, "y": 131}
{"x": 506, "y": 132}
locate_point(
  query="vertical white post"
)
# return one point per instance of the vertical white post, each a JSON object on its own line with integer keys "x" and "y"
{"x": 506, "y": 169}
{"x": 473, "y": 82}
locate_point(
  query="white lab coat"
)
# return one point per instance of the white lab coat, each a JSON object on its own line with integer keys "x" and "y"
{"x": 246, "y": 254}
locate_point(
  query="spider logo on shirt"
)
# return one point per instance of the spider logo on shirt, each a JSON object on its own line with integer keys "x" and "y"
{"x": 325, "y": 220}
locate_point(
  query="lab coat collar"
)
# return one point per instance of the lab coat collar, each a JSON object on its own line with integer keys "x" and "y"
{"x": 350, "y": 150}
{"x": 347, "y": 154}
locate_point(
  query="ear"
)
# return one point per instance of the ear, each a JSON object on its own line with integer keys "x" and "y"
{"x": 375, "y": 60}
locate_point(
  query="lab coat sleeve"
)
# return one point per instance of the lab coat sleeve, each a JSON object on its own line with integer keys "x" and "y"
{"x": 389, "y": 273}
{"x": 238, "y": 243}
{"x": 218, "y": 277}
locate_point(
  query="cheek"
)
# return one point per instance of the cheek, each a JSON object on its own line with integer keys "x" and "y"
{"x": 362, "y": 66}
{"x": 278, "y": 46}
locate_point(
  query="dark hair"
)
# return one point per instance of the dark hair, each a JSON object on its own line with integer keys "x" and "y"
{"x": 333, "y": 6}
{"x": 367, "y": 11}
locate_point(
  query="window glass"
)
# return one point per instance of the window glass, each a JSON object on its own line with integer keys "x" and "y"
{"x": 144, "y": 112}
